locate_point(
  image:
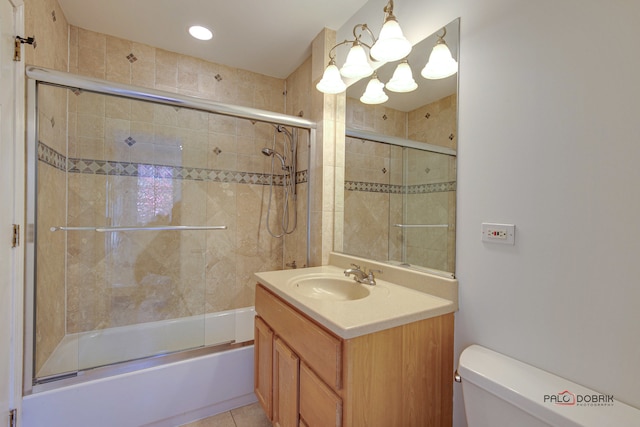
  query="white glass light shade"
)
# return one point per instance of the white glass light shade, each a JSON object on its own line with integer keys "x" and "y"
{"x": 391, "y": 45}
{"x": 331, "y": 82}
{"x": 402, "y": 80}
{"x": 357, "y": 65}
{"x": 374, "y": 94}
{"x": 441, "y": 64}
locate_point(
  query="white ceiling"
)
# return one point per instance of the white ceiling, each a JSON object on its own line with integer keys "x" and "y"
{"x": 270, "y": 37}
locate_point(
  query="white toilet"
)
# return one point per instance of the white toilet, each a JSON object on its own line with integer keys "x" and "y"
{"x": 502, "y": 392}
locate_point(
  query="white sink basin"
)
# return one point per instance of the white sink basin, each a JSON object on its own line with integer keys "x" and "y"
{"x": 332, "y": 288}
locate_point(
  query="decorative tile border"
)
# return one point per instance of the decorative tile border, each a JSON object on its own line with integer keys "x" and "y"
{"x": 51, "y": 157}
{"x": 107, "y": 167}
{"x": 440, "y": 187}
{"x": 373, "y": 187}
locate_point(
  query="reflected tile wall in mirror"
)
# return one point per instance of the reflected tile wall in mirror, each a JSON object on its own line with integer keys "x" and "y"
{"x": 422, "y": 185}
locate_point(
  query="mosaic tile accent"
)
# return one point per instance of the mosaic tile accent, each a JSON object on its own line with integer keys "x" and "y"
{"x": 373, "y": 187}
{"x": 302, "y": 177}
{"x": 107, "y": 167}
{"x": 51, "y": 157}
{"x": 131, "y": 58}
{"x": 129, "y": 141}
{"x": 441, "y": 187}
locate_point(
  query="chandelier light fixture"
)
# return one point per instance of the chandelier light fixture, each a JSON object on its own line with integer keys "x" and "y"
{"x": 390, "y": 46}
{"x": 441, "y": 63}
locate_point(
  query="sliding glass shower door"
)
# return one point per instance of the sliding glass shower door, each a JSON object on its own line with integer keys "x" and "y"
{"x": 122, "y": 229}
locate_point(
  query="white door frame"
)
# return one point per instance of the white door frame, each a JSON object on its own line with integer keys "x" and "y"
{"x": 18, "y": 207}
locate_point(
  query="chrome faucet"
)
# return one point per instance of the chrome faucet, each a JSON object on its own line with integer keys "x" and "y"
{"x": 360, "y": 276}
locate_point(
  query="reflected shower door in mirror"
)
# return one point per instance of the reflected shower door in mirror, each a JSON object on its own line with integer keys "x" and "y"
{"x": 400, "y": 168}
{"x": 399, "y": 204}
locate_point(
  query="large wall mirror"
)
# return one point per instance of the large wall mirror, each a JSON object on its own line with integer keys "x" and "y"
{"x": 399, "y": 193}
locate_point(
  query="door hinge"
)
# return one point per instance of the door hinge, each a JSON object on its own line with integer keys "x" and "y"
{"x": 13, "y": 418}
{"x": 18, "y": 41}
{"x": 16, "y": 236}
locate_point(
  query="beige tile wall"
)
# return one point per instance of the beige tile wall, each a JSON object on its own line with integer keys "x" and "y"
{"x": 368, "y": 215}
{"x": 163, "y": 275}
{"x": 298, "y": 100}
{"x": 435, "y": 123}
{"x": 44, "y": 20}
{"x": 120, "y": 279}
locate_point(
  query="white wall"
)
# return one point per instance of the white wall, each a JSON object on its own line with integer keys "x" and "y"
{"x": 549, "y": 141}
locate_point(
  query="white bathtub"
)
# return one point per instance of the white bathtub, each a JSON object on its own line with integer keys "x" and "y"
{"x": 107, "y": 346}
{"x": 162, "y": 396}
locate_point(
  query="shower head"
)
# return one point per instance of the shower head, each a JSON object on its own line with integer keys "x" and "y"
{"x": 269, "y": 152}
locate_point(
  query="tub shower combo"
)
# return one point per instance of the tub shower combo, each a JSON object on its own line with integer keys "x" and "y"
{"x": 149, "y": 214}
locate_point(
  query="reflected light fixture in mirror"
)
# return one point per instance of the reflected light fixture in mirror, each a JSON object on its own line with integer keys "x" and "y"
{"x": 374, "y": 94}
{"x": 402, "y": 80}
{"x": 441, "y": 64}
{"x": 390, "y": 46}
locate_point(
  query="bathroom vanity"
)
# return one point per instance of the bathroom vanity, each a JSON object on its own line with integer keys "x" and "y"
{"x": 382, "y": 356}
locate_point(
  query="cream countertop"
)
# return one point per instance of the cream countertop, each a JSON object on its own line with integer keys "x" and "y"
{"x": 388, "y": 304}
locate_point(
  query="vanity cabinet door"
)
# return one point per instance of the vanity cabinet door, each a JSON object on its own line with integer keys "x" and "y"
{"x": 286, "y": 371}
{"x": 263, "y": 365}
{"x": 317, "y": 347}
{"x": 319, "y": 405}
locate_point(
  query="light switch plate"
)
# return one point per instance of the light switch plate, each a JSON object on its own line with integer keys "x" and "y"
{"x": 498, "y": 233}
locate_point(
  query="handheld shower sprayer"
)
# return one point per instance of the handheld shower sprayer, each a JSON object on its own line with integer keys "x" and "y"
{"x": 287, "y": 180}
{"x": 269, "y": 152}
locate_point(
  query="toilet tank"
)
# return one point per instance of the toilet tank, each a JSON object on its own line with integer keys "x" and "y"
{"x": 499, "y": 391}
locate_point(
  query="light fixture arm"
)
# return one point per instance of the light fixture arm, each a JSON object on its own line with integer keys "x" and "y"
{"x": 441, "y": 37}
{"x": 364, "y": 28}
{"x": 357, "y": 40}
{"x": 388, "y": 10}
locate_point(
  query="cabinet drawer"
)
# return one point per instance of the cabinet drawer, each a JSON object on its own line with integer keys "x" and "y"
{"x": 319, "y": 406}
{"x": 313, "y": 344}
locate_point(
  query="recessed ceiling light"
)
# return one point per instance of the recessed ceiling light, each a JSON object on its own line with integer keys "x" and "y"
{"x": 200, "y": 33}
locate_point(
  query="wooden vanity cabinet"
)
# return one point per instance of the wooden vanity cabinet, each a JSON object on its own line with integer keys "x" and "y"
{"x": 307, "y": 376}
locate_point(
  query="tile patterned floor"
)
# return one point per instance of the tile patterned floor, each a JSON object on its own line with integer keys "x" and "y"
{"x": 246, "y": 416}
